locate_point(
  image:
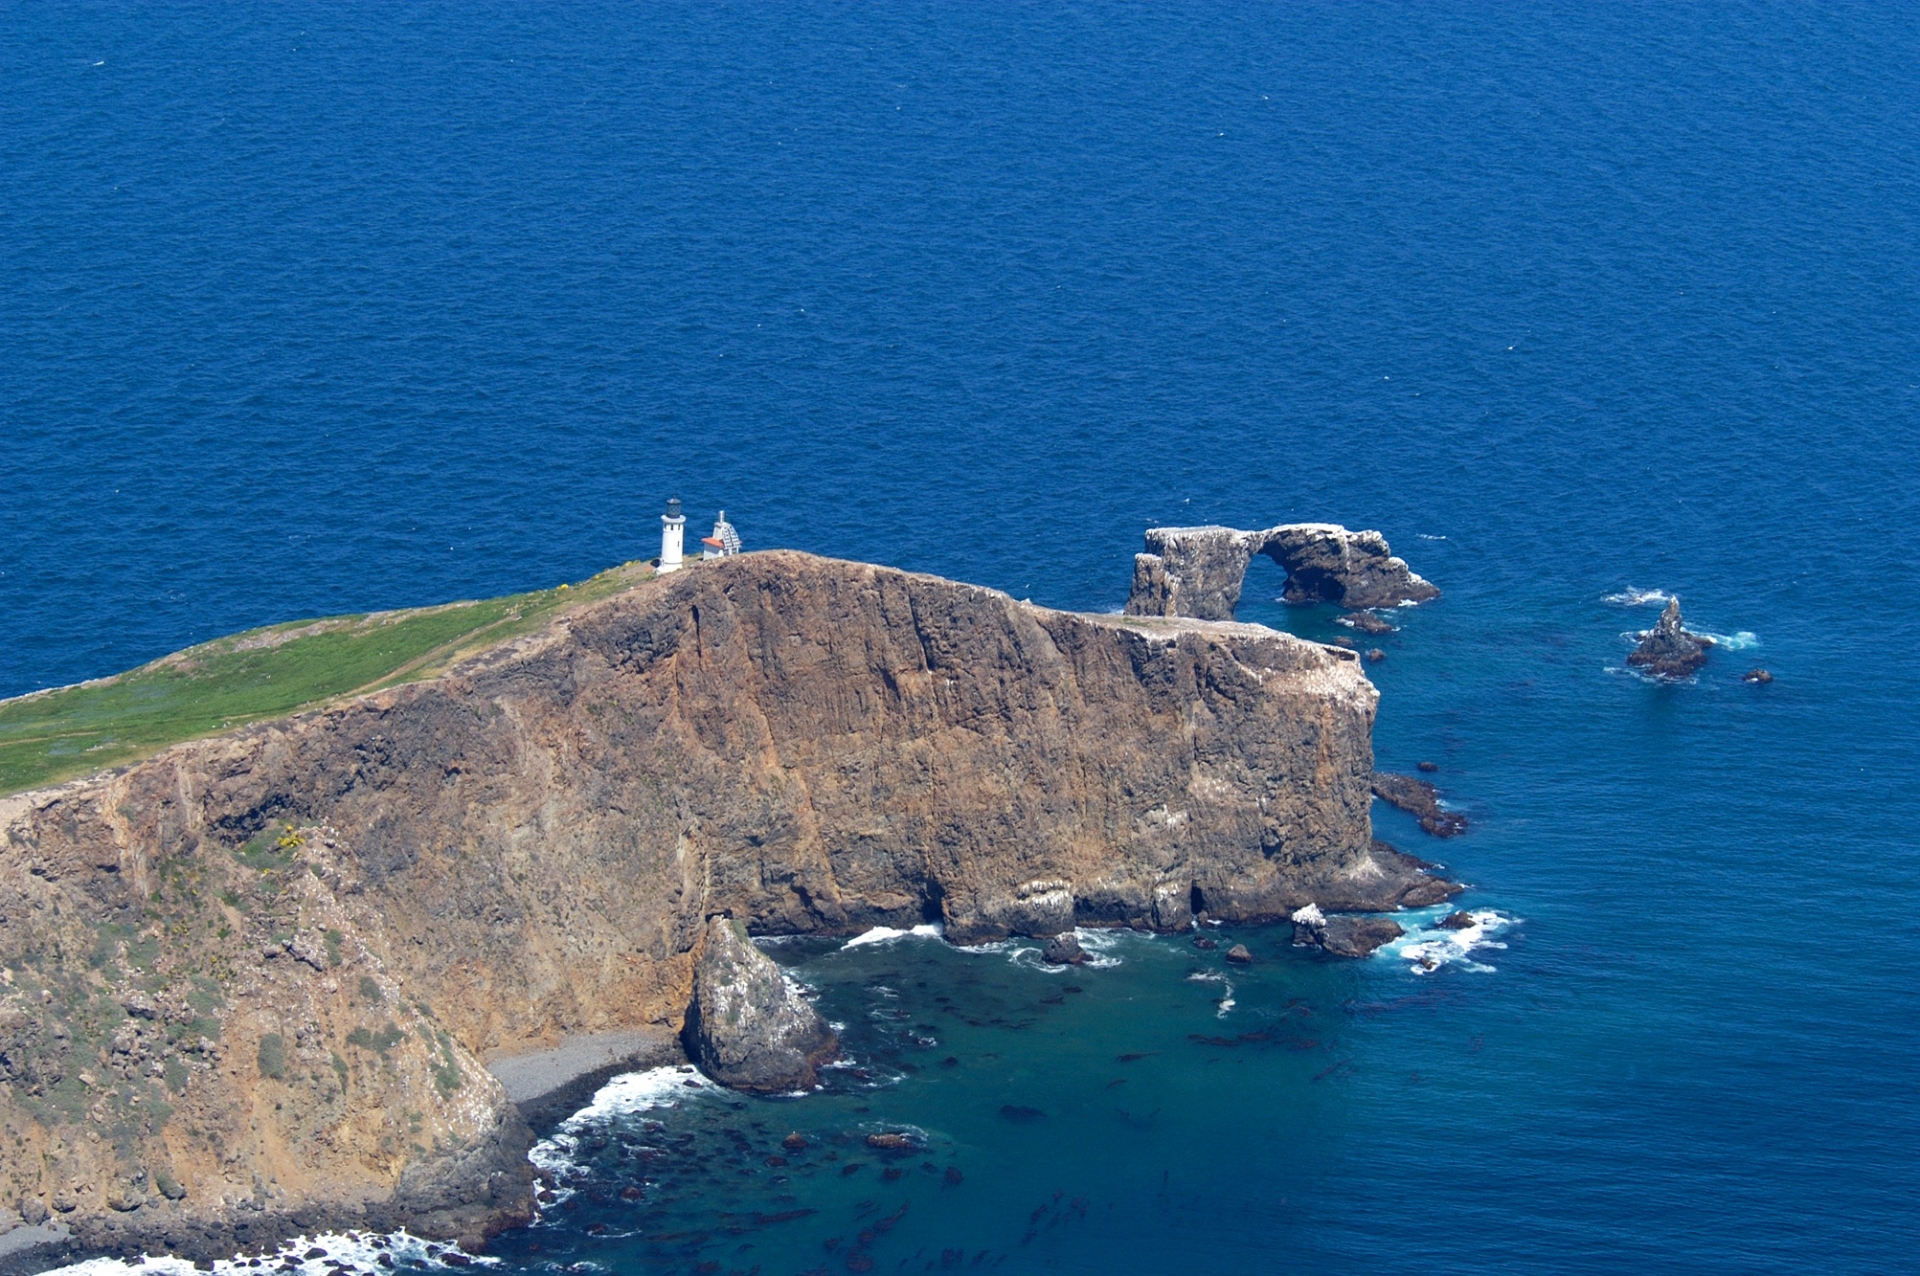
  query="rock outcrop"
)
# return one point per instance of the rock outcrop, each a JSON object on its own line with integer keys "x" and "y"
{"x": 1420, "y": 800}
{"x": 1343, "y": 936}
{"x": 1064, "y": 950}
{"x": 748, "y": 1026}
{"x": 1667, "y": 649}
{"x": 245, "y": 985}
{"x": 1198, "y": 571}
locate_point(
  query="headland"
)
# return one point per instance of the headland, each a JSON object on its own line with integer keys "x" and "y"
{"x": 248, "y": 982}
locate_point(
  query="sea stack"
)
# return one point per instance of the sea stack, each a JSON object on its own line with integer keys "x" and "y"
{"x": 1668, "y": 650}
{"x": 748, "y": 1027}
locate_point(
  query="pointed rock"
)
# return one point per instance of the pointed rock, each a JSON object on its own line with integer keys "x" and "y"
{"x": 748, "y": 1027}
{"x": 1669, "y": 650}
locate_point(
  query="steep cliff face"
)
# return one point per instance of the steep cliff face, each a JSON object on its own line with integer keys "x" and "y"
{"x": 244, "y": 985}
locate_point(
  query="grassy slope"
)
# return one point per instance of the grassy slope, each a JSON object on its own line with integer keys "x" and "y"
{"x": 265, "y": 673}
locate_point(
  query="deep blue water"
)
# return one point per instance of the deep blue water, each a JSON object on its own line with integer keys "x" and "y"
{"x": 320, "y": 308}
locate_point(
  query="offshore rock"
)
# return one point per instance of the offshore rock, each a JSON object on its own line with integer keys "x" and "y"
{"x": 526, "y": 848}
{"x": 1064, "y": 950}
{"x": 1198, "y": 571}
{"x": 1669, "y": 650}
{"x": 748, "y": 1027}
{"x": 1342, "y": 935}
{"x": 1420, "y": 800}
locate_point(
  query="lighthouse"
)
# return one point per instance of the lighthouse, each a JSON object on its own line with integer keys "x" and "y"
{"x": 672, "y": 529}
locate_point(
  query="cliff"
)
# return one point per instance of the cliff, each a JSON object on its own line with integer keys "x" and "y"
{"x": 246, "y": 984}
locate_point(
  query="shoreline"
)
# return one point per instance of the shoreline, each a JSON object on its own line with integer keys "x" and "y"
{"x": 547, "y": 1086}
{"x": 550, "y": 1085}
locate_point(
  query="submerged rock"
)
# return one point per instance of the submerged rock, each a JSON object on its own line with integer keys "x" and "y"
{"x": 1669, "y": 650}
{"x": 1756, "y": 676}
{"x": 748, "y": 1026}
{"x": 1063, "y": 950}
{"x": 1366, "y": 622}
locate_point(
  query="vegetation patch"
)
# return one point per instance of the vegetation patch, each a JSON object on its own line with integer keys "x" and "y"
{"x": 273, "y": 1057}
{"x": 259, "y": 675}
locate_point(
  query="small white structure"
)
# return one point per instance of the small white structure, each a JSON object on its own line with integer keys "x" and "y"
{"x": 725, "y": 542}
{"x": 672, "y": 530}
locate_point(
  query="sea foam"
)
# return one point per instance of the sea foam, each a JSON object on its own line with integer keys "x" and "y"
{"x": 1631, "y": 597}
{"x": 887, "y": 934}
{"x": 355, "y": 1251}
{"x": 1426, "y": 947}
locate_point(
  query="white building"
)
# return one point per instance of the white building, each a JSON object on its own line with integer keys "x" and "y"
{"x": 725, "y": 542}
{"x": 673, "y": 526}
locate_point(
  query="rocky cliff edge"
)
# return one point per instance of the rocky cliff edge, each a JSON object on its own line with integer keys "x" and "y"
{"x": 245, "y": 985}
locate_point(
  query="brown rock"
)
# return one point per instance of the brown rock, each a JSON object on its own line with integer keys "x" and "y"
{"x": 1457, "y": 921}
{"x": 1367, "y": 623}
{"x": 528, "y": 845}
{"x": 1063, "y": 950}
{"x": 1757, "y": 676}
{"x": 1427, "y": 768}
{"x": 1421, "y": 800}
{"x": 747, "y": 1025}
{"x": 1239, "y": 955}
{"x": 1669, "y": 650}
{"x": 1375, "y": 656}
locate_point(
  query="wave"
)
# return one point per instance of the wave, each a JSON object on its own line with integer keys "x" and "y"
{"x": 1225, "y": 1002}
{"x": 625, "y": 1095}
{"x": 1631, "y": 597}
{"x": 887, "y": 934}
{"x": 1740, "y": 641}
{"x": 1427, "y": 946}
{"x": 354, "y": 1251}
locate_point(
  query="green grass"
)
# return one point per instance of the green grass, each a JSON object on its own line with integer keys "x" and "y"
{"x": 251, "y": 677}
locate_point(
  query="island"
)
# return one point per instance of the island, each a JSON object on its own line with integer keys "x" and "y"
{"x": 252, "y": 976}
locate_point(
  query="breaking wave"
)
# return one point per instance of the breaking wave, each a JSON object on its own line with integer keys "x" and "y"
{"x": 352, "y": 1251}
{"x": 1427, "y": 946}
{"x": 626, "y": 1094}
{"x": 1631, "y": 597}
{"x": 887, "y": 934}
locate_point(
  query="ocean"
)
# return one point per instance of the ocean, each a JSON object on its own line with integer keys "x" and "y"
{"x": 309, "y": 309}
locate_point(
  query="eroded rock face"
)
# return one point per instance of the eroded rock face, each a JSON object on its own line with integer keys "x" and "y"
{"x": 271, "y": 961}
{"x": 1198, "y": 571}
{"x": 747, "y": 1026}
{"x": 1668, "y": 649}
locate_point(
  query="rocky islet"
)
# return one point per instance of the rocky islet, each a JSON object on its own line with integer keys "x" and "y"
{"x": 1668, "y": 650}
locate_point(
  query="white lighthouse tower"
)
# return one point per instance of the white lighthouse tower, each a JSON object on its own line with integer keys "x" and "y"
{"x": 673, "y": 526}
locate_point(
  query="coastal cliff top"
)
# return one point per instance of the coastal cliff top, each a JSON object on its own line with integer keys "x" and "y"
{"x": 277, "y": 671}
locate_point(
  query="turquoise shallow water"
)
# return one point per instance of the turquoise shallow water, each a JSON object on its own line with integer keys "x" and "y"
{"x": 310, "y": 309}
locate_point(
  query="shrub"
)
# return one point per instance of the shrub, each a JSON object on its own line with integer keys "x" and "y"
{"x": 273, "y": 1057}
